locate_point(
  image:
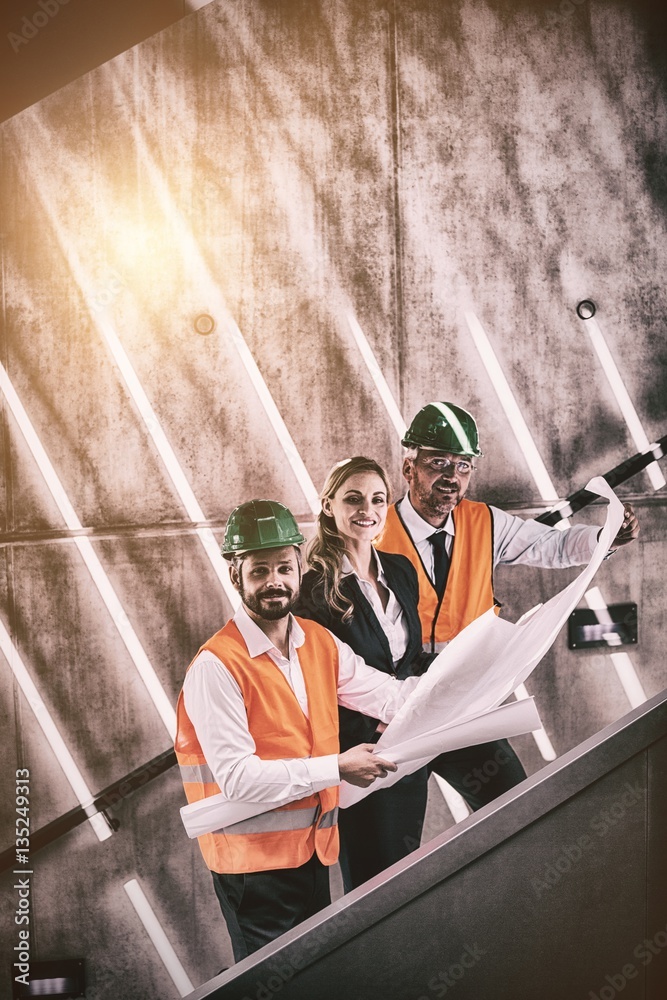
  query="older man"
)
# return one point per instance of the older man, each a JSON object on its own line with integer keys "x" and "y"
{"x": 258, "y": 721}
{"x": 455, "y": 544}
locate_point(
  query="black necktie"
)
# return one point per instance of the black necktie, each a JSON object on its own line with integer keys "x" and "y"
{"x": 440, "y": 560}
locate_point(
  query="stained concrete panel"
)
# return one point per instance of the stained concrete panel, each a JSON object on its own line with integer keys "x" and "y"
{"x": 523, "y": 193}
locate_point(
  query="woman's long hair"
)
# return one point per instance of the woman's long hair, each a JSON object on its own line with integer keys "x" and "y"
{"x": 327, "y": 548}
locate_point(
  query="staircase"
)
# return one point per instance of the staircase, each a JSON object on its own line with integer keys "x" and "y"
{"x": 555, "y": 891}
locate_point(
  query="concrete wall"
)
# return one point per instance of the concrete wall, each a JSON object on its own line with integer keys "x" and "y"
{"x": 290, "y": 165}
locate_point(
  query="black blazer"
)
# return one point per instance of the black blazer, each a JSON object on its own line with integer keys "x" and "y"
{"x": 364, "y": 633}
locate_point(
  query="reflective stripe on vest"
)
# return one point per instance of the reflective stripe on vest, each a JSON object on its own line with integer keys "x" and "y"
{"x": 197, "y": 773}
{"x": 281, "y": 819}
{"x": 469, "y": 590}
{"x": 285, "y": 837}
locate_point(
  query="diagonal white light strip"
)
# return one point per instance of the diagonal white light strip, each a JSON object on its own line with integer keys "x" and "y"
{"x": 193, "y": 256}
{"x": 623, "y": 399}
{"x": 95, "y": 568}
{"x": 164, "y": 449}
{"x": 171, "y": 464}
{"x": 544, "y": 744}
{"x": 534, "y": 459}
{"x": 212, "y": 549}
{"x": 277, "y": 422}
{"x": 456, "y": 804}
{"x": 622, "y": 663}
{"x": 381, "y": 385}
{"x": 51, "y": 732}
{"x": 514, "y": 416}
{"x": 156, "y": 933}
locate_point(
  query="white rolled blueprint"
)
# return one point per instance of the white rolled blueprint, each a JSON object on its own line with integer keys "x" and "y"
{"x": 216, "y": 811}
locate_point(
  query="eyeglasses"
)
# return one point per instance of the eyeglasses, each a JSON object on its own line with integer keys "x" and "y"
{"x": 435, "y": 464}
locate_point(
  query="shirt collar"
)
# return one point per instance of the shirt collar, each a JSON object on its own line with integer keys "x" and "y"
{"x": 257, "y": 641}
{"x": 418, "y": 528}
{"x": 347, "y": 569}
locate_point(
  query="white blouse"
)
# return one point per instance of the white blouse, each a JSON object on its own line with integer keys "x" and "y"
{"x": 391, "y": 619}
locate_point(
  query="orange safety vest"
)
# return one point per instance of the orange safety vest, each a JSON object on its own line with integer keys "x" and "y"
{"x": 469, "y": 589}
{"x": 285, "y": 837}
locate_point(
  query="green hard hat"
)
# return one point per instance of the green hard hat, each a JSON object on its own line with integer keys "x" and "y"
{"x": 446, "y": 427}
{"x": 259, "y": 524}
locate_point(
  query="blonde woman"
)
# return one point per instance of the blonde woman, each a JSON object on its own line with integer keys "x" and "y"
{"x": 369, "y": 600}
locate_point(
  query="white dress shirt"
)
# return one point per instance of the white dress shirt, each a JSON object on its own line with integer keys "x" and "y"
{"x": 515, "y": 541}
{"x": 214, "y": 703}
{"x": 391, "y": 619}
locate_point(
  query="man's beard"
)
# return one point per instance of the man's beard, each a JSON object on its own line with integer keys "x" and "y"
{"x": 273, "y": 612}
{"x": 438, "y": 505}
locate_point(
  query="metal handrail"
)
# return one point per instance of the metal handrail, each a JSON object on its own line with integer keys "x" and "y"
{"x": 111, "y": 796}
{"x": 619, "y": 474}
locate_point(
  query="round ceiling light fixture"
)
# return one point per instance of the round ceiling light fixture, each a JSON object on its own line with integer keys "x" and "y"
{"x": 586, "y": 309}
{"x": 204, "y": 324}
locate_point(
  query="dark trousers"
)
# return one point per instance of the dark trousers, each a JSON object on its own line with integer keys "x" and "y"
{"x": 260, "y": 906}
{"x": 480, "y": 774}
{"x": 381, "y": 829}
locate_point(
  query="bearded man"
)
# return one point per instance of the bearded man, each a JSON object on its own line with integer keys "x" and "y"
{"x": 258, "y": 721}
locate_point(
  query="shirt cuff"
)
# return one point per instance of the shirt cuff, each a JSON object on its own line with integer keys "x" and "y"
{"x": 323, "y": 771}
